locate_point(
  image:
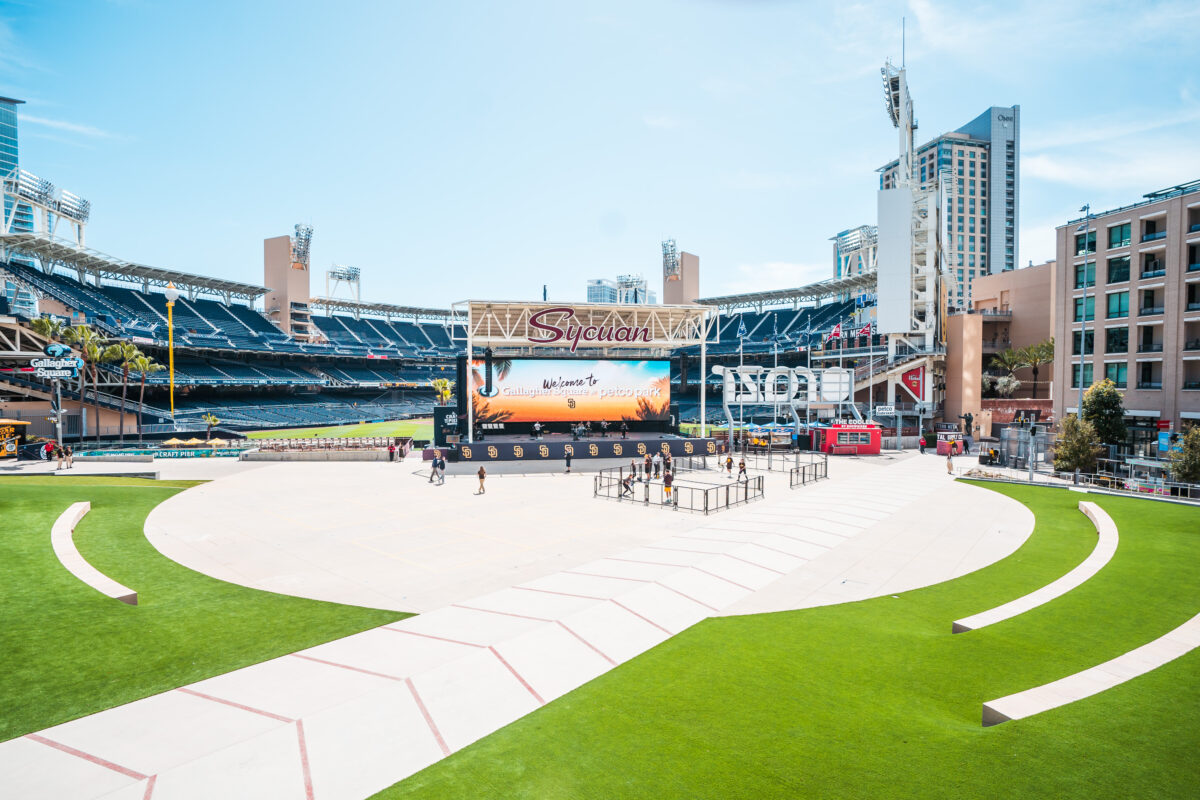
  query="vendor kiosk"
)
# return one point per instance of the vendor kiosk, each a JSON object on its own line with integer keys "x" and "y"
{"x": 949, "y": 439}
{"x": 12, "y": 436}
{"x": 848, "y": 439}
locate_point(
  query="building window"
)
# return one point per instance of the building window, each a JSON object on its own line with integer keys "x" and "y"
{"x": 1079, "y": 243}
{"x": 1085, "y": 275}
{"x": 1090, "y": 306}
{"x": 1118, "y": 269}
{"x": 1117, "y": 373}
{"x": 1118, "y": 235}
{"x": 1089, "y": 340}
{"x": 1087, "y": 375}
{"x": 1116, "y": 340}
{"x": 1118, "y": 305}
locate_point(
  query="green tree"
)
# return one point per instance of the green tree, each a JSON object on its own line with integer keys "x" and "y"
{"x": 441, "y": 389}
{"x": 1078, "y": 446}
{"x": 1009, "y": 361}
{"x": 209, "y": 420}
{"x": 1104, "y": 407}
{"x": 1185, "y": 464}
{"x": 88, "y": 343}
{"x": 49, "y": 327}
{"x": 144, "y": 365}
{"x": 1037, "y": 356}
{"x": 123, "y": 354}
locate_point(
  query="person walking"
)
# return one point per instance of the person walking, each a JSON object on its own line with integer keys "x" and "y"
{"x": 626, "y": 487}
{"x": 567, "y": 458}
{"x": 441, "y": 470}
{"x": 633, "y": 468}
{"x": 624, "y": 429}
{"x": 729, "y": 466}
{"x": 482, "y": 475}
{"x": 949, "y": 464}
{"x": 657, "y": 464}
{"x": 59, "y": 454}
{"x": 70, "y": 456}
{"x": 433, "y": 466}
{"x": 921, "y": 443}
{"x": 742, "y": 470}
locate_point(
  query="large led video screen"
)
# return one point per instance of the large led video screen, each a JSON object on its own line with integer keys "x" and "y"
{"x": 570, "y": 390}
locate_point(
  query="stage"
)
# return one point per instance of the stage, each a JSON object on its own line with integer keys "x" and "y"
{"x": 556, "y": 446}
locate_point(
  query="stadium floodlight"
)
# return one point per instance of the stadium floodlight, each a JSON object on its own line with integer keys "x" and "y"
{"x": 74, "y": 207}
{"x": 344, "y": 272}
{"x": 31, "y": 187}
{"x": 301, "y": 243}
{"x": 670, "y": 260}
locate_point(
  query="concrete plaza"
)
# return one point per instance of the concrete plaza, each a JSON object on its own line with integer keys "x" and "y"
{"x": 524, "y": 593}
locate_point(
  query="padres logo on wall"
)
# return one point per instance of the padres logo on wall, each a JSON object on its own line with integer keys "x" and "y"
{"x": 666, "y": 448}
{"x": 492, "y": 453}
{"x": 616, "y": 449}
{"x": 518, "y": 451}
{"x": 543, "y": 451}
{"x": 466, "y": 451}
{"x": 687, "y": 447}
{"x": 593, "y": 450}
{"x": 712, "y": 447}
{"x": 641, "y": 448}
{"x": 569, "y": 449}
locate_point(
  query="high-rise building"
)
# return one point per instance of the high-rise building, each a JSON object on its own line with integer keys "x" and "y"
{"x": 601, "y": 290}
{"x": 980, "y": 163}
{"x": 1129, "y": 310}
{"x": 626, "y": 289}
{"x": 23, "y": 221}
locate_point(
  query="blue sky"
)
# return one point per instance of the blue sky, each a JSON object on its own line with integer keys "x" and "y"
{"x": 456, "y": 150}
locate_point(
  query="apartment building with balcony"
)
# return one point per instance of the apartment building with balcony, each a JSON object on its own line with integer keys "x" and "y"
{"x": 1130, "y": 309}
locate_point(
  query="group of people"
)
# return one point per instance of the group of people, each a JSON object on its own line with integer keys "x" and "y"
{"x": 742, "y": 475}
{"x": 583, "y": 430}
{"x": 650, "y": 469}
{"x": 64, "y": 454}
{"x": 437, "y": 468}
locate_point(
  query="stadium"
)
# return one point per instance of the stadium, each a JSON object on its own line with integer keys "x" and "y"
{"x": 267, "y": 538}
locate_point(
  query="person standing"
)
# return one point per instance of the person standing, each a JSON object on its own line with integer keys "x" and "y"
{"x": 742, "y": 470}
{"x": 729, "y": 466}
{"x": 668, "y": 482}
{"x": 433, "y": 464}
{"x": 921, "y": 443}
{"x": 482, "y": 475}
{"x": 648, "y": 467}
{"x": 603, "y": 429}
{"x": 624, "y": 429}
{"x": 392, "y": 451}
{"x": 949, "y": 464}
{"x": 657, "y": 464}
{"x": 441, "y": 470}
{"x": 59, "y": 454}
{"x": 537, "y": 430}
{"x": 568, "y": 460}
{"x": 70, "y": 456}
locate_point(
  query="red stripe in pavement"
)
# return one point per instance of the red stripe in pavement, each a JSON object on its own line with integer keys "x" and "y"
{"x": 87, "y": 757}
{"x": 502, "y": 613}
{"x": 194, "y": 693}
{"x": 308, "y": 787}
{"x": 643, "y": 619}
{"x": 684, "y": 596}
{"x": 753, "y": 564}
{"x": 150, "y": 787}
{"x": 611, "y": 577}
{"x": 651, "y": 563}
{"x": 589, "y": 644}
{"x": 517, "y": 675}
{"x": 430, "y": 636}
{"x": 347, "y": 666}
{"x": 428, "y": 719}
{"x": 560, "y": 594}
{"x": 777, "y": 550}
{"x": 720, "y": 578}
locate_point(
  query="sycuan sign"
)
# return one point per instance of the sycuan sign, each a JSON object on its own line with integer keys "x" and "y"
{"x": 566, "y": 329}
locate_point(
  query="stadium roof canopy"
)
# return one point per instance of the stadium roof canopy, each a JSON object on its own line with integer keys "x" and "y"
{"x": 387, "y": 310}
{"x": 813, "y": 292}
{"x": 54, "y": 251}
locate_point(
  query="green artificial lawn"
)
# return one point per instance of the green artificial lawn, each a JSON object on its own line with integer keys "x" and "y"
{"x": 66, "y": 650}
{"x": 416, "y": 428}
{"x": 878, "y": 699}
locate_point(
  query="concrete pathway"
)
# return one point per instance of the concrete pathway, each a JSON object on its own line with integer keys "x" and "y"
{"x": 536, "y": 588}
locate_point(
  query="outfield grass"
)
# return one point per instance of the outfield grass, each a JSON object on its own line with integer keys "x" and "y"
{"x": 878, "y": 699}
{"x": 66, "y": 650}
{"x": 416, "y": 428}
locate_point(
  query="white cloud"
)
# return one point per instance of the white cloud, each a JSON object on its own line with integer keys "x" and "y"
{"x": 1130, "y": 170}
{"x": 770, "y": 275}
{"x": 62, "y": 125}
{"x": 1103, "y": 129}
{"x": 661, "y": 121}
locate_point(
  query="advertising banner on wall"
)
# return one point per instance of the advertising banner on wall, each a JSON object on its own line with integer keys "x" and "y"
{"x": 601, "y": 448}
{"x": 570, "y": 390}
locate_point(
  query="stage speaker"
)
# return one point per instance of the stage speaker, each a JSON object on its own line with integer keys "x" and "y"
{"x": 673, "y": 410}
{"x": 460, "y": 386}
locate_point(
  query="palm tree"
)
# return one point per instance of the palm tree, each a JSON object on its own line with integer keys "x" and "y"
{"x": 1009, "y": 360}
{"x": 87, "y": 342}
{"x": 441, "y": 389}
{"x": 122, "y": 354}
{"x": 1037, "y": 356}
{"x": 144, "y": 365}
{"x": 49, "y": 327}
{"x": 209, "y": 420}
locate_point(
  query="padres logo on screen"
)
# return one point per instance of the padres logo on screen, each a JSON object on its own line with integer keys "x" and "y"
{"x": 569, "y": 449}
{"x": 466, "y": 451}
{"x": 518, "y": 451}
{"x": 492, "y": 452}
{"x": 616, "y": 449}
{"x": 543, "y": 451}
{"x": 641, "y": 448}
{"x": 593, "y": 450}
{"x": 712, "y": 447}
{"x": 687, "y": 447}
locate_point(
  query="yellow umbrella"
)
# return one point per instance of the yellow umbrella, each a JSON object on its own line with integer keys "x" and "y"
{"x": 173, "y": 441}
{"x": 218, "y": 442}
{"x": 193, "y": 442}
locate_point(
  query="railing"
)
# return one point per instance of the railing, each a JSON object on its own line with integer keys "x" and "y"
{"x": 1153, "y": 272}
{"x": 1192, "y": 344}
{"x": 1153, "y": 237}
{"x": 1193, "y": 267}
{"x": 1150, "y": 347}
{"x": 682, "y": 495}
{"x": 1153, "y": 487}
{"x": 815, "y": 470}
{"x": 1149, "y": 384}
{"x": 1149, "y": 310}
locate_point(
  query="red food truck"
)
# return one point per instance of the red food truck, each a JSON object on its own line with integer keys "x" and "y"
{"x": 848, "y": 439}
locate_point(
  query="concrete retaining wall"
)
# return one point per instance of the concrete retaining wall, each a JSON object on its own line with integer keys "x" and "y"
{"x": 318, "y": 455}
{"x": 118, "y": 457}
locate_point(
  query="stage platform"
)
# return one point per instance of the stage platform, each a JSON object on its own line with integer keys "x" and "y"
{"x": 556, "y": 446}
